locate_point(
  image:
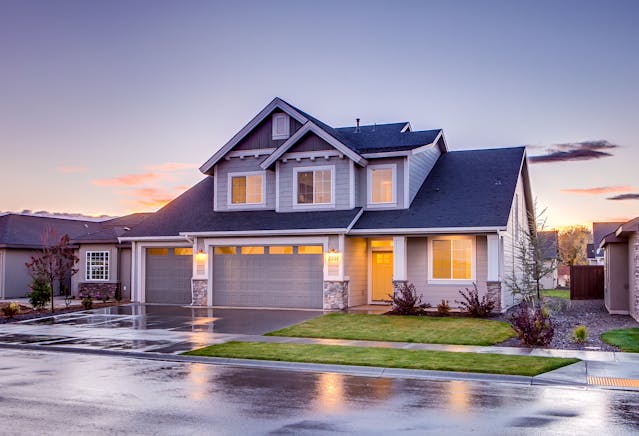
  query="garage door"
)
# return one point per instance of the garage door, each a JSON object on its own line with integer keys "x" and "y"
{"x": 268, "y": 276}
{"x": 168, "y": 275}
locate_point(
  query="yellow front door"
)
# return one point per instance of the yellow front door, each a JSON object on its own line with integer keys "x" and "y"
{"x": 382, "y": 275}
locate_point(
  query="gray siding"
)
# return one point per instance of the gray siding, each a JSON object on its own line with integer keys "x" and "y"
{"x": 518, "y": 218}
{"x": 356, "y": 269}
{"x": 419, "y": 166}
{"x": 310, "y": 142}
{"x": 341, "y": 177}
{"x": 434, "y": 293}
{"x": 237, "y": 165}
{"x": 262, "y": 135}
{"x": 125, "y": 272}
{"x": 360, "y": 186}
{"x": 399, "y": 188}
{"x": 80, "y": 277}
{"x": 616, "y": 282}
{"x": 17, "y": 278}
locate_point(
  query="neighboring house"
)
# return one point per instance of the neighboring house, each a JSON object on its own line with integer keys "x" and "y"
{"x": 550, "y": 251}
{"x": 293, "y": 213}
{"x": 21, "y": 238}
{"x": 621, "y": 266}
{"x": 599, "y": 231}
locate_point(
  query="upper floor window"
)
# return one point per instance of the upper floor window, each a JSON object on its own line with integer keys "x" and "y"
{"x": 314, "y": 185}
{"x": 452, "y": 258}
{"x": 381, "y": 182}
{"x": 97, "y": 265}
{"x": 247, "y": 188}
{"x": 281, "y": 126}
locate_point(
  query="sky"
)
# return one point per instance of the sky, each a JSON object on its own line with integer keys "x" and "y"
{"x": 110, "y": 107}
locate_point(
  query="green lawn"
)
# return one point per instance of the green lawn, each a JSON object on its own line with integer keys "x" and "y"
{"x": 386, "y": 357}
{"x": 423, "y": 329}
{"x": 624, "y": 339}
{"x": 557, "y": 293}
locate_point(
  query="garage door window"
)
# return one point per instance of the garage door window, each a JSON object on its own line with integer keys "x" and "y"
{"x": 157, "y": 251}
{"x": 183, "y": 251}
{"x": 252, "y": 250}
{"x": 225, "y": 250}
{"x": 310, "y": 249}
{"x": 97, "y": 263}
{"x": 280, "y": 249}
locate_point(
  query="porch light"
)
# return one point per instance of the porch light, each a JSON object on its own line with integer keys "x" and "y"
{"x": 200, "y": 256}
{"x": 332, "y": 257}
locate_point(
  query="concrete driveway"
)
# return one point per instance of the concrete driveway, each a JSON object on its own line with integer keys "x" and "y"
{"x": 145, "y": 327}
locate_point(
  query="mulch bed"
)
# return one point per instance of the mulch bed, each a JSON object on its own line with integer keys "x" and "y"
{"x": 27, "y": 312}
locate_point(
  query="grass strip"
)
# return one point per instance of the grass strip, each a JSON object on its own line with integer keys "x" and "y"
{"x": 556, "y": 293}
{"x": 624, "y": 339}
{"x": 420, "y": 329}
{"x": 386, "y": 357}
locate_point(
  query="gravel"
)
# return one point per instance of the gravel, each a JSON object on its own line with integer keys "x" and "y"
{"x": 567, "y": 314}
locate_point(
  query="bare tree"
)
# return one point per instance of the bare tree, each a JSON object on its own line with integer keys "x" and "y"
{"x": 56, "y": 262}
{"x": 573, "y": 243}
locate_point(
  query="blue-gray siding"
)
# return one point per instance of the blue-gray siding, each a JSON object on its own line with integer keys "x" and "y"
{"x": 420, "y": 165}
{"x": 237, "y": 165}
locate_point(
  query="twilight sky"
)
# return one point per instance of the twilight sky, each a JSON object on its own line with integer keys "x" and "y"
{"x": 110, "y": 107}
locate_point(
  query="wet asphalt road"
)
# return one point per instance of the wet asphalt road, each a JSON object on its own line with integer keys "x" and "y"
{"x": 75, "y": 394}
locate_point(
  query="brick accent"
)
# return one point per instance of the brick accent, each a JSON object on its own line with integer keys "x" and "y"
{"x": 494, "y": 293}
{"x": 199, "y": 289}
{"x": 96, "y": 290}
{"x": 335, "y": 295}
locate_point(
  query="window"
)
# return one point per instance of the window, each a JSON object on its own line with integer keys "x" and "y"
{"x": 310, "y": 249}
{"x": 314, "y": 186}
{"x": 281, "y": 126}
{"x": 452, "y": 258}
{"x": 381, "y": 181}
{"x": 385, "y": 243}
{"x": 97, "y": 265}
{"x": 280, "y": 249}
{"x": 252, "y": 250}
{"x": 225, "y": 250}
{"x": 246, "y": 188}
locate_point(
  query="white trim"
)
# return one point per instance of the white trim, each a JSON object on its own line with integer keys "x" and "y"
{"x": 473, "y": 264}
{"x": 297, "y": 155}
{"x": 492, "y": 258}
{"x": 287, "y": 120}
{"x": 331, "y": 204}
{"x": 215, "y": 196}
{"x": 406, "y": 182}
{"x": 406, "y": 128}
{"x": 182, "y": 237}
{"x": 422, "y": 148}
{"x": 246, "y": 205}
{"x": 222, "y": 242}
{"x": 422, "y": 230}
{"x": 276, "y": 103}
{"x": 351, "y": 183}
{"x": 369, "y": 185}
{"x": 400, "y": 258}
{"x": 277, "y": 186}
{"x": 387, "y": 154}
{"x": 369, "y": 265}
{"x": 268, "y": 232}
{"x": 107, "y": 256}
{"x": 359, "y": 214}
{"x": 248, "y": 153}
{"x": 311, "y": 127}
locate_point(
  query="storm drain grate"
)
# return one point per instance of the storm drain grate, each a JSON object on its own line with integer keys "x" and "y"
{"x": 616, "y": 382}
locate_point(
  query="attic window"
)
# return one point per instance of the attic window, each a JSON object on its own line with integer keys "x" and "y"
{"x": 281, "y": 126}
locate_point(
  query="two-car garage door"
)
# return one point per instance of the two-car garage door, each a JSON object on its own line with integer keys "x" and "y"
{"x": 268, "y": 276}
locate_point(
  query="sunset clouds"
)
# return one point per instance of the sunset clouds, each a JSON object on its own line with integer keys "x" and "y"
{"x": 633, "y": 196}
{"x": 574, "y": 151}
{"x": 128, "y": 180}
{"x": 598, "y": 190}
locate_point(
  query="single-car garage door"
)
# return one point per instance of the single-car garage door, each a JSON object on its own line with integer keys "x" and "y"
{"x": 268, "y": 276}
{"x": 168, "y": 275}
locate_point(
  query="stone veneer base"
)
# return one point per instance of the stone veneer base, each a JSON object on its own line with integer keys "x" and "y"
{"x": 335, "y": 295}
{"x": 199, "y": 289}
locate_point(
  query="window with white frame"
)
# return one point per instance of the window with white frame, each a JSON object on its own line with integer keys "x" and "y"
{"x": 314, "y": 186}
{"x": 246, "y": 188}
{"x": 452, "y": 258}
{"x": 281, "y": 126}
{"x": 381, "y": 182}
{"x": 97, "y": 265}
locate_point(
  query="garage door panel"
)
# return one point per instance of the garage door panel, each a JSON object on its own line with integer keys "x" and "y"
{"x": 168, "y": 278}
{"x": 278, "y": 280}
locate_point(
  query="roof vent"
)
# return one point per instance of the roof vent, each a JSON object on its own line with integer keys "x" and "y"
{"x": 357, "y": 126}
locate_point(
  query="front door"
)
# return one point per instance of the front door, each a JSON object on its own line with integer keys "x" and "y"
{"x": 382, "y": 275}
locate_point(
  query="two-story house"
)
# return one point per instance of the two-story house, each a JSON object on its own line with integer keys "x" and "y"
{"x": 293, "y": 213}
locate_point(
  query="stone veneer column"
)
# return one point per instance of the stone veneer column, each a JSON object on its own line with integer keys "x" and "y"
{"x": 335, "y": 295}
{"x": 199, "y": 288}
{"x": 494, "y": 293}
{"x": 634, "y": 253}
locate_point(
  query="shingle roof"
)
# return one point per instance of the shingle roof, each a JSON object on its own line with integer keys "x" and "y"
{"x": 25, "y": 231}
{"x": 601, "y": 229}
{"x": 385, "y": 137}
{"x": 472, "y": 188}
{"x": 193, "y": 212}
{"x": 112, "y": 229}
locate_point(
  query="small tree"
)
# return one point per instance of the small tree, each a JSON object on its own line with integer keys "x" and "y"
{"x": 531, "y": 266}
{"x": 56, "y": 261}
{"x": 573, "y": 242}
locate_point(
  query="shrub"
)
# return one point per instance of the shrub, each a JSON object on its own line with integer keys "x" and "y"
{"x": 11, "y": 309}
{"x": 87, "y": 302}
{"x": 443, "y": 308}
{"x": 40, "y": 293}
{"x": 406, "y": 301}
{"x": 68, "y": 299}
{"x": 580, "y": 333}
{"x": 532, "y": 324}
{"x": 473, "y": 305}
{"x": 105, "y": 298}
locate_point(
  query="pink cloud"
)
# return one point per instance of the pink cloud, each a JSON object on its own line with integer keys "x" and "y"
{"x": 171, "y": 166}
{"x": 129, "y": 180}
{"x": 71, "y": 169}
{"x": 598, "y": 190}
{"x": 151, "y": 198}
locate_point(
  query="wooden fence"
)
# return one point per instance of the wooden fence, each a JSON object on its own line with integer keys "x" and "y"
{"x": 586, "y": 282}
